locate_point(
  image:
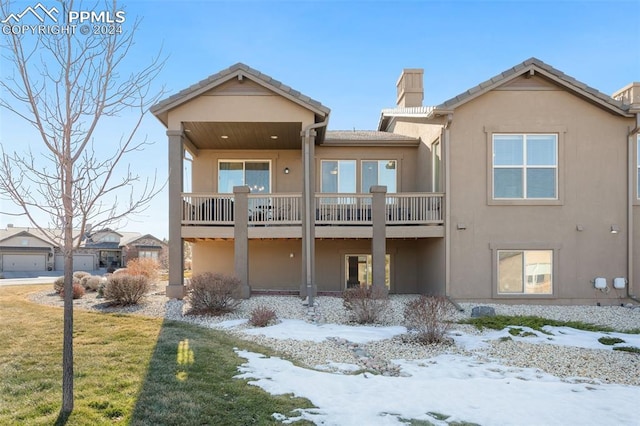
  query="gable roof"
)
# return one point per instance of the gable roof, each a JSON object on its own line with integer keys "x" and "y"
{"x": 133, "y": 237}
{"x": 6, "y": 234}
{"x": 239, "y": 70}
{"x": 536, "y": 66}
{"x": 532, "y": 66}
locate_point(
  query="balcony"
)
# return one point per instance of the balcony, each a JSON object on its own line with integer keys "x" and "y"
{"x": 408, "y": 215}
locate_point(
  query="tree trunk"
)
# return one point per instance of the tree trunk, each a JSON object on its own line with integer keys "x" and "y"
{"x": 67, "y": 344}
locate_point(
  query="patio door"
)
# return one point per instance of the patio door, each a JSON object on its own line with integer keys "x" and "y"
{"x": 359, "y": 272}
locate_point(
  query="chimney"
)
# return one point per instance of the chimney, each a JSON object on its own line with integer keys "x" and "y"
{"x": 629, "y": 95}
{"x": 410, "y": 90}
{"x": 9, "y": 225}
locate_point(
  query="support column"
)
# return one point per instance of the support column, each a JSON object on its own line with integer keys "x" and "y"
{"x": 379, "y": 238}
{"x": 308, "y": 286}
{"x": 241, "y": 237}
{"x": 175, "y": 288}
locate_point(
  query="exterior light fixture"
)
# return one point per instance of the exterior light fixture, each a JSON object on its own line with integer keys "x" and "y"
{"x": 224, "y": 137}
{"x": 615, "y": 229}
{"x": 286, "y": 170}
{"x": 274, "y": 137}
{"x": 579, "y": 227}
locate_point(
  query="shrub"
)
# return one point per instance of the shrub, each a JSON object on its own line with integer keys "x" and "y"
{"x": 366, "y": 305}
{"x": 90, "y": 282}
{"x": 430, "y": 316}
{"x": 78, "y": 275}
{"x": 144, "y": 266}
{"x": 214, "y": 294}
{"x": 58, "y": 284}
{"x": 78, "y": 291}
{"x": 123, "y": 289}
{"x": 262, "y": 316}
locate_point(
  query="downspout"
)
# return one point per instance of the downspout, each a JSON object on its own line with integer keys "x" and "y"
{"x": 447, "y": 206}
{"x": 309, "y": 201}
{"x": 630, "y": 203}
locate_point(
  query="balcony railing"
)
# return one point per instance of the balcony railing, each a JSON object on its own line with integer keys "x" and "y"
{"x": 331, "y": 209}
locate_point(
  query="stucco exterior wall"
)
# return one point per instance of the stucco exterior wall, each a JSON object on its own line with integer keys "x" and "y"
{"x": 230, "y": 108}
{"x": 205, "y": 168}
{"x": 592, "y": 172}
{"x": 271, "y": 266}
{"x": 428, "y": 134}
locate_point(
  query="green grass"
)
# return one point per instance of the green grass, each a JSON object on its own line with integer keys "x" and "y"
{"x": 499, "y": 322}
{"x": 128, "y": 370}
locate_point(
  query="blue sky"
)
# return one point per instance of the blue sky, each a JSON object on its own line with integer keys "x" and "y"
{"x": 348, "y": 55}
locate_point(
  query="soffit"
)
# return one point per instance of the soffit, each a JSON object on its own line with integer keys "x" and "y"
{"x": 248, "y": 135}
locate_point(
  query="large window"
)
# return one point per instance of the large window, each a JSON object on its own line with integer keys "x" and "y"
{"x": 379, "y": 172}
{"x": 254, "y": 174}
{"x": 359, "y": 272}
{"x": 638, "y": 163}
{"x": 338, "y": 176}
{"x": 525, "y": 272}
{"x": 525, "y": 166}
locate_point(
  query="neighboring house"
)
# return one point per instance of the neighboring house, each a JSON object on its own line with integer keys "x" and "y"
{"x": 509, "y": 191}
{"x": 29, "y": 250}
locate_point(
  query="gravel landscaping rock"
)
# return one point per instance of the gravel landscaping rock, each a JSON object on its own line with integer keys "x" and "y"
{"x": 569, "y": 363}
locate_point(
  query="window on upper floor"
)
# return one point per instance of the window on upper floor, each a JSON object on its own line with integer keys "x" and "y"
{"x": 525, "y": 166}
{"x": 379, "y": 172}
{"x": 338, "y": 176}
{"x": 525, "y": 272}
{"x": 148, "y": 254}
{"x": 253, "y": 173}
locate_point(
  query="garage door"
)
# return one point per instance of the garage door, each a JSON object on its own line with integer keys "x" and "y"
{"x": 24, "y": 262}
{"x": 81, "y": 262}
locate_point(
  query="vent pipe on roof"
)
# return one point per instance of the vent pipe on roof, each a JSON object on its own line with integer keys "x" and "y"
{"x": 410, "y": 88}
{"x": 9, "y": 225}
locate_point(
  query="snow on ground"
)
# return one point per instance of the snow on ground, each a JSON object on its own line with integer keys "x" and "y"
{"x": 461, "y": 387}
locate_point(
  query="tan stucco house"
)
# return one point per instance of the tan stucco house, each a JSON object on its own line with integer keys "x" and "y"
{"x": 523, "y": 189}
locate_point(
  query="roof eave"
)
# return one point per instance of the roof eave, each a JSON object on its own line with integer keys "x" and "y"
{"x": 162, "y": 108}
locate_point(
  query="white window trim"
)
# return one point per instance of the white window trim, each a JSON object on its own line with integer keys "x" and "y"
{"x": 524, "y": 166}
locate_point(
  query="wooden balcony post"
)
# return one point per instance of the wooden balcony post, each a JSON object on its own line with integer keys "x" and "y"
{"x": 379, "y": 238}
{"x": 175, "y": 288}
{"x": 241, "y": 238}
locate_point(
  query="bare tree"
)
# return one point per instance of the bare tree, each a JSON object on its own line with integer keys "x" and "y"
{"x": 64, "y": 85}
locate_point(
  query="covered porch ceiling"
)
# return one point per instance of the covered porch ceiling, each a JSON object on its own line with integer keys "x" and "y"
{"x": 243, "y": 135}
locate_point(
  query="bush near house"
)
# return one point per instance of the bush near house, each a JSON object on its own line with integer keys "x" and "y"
{"x": 123, "y": 289}
{"x": 262, "y": 317}
{"x": 213, "y": 294}
{"x": 144, "y": 266}
{"x": 430, "y": 316}
{"x": 366, "y": 305}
